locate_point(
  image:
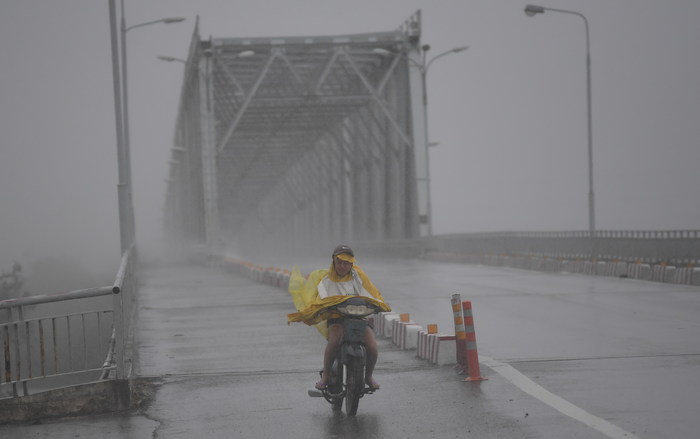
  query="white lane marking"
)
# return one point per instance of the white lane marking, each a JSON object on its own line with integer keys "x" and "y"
{"x": 527, "y": 385}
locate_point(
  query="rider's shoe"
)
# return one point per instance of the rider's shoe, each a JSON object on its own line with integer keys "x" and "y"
{"x": 372, "y": 384}
{"x": 315, "y": 393}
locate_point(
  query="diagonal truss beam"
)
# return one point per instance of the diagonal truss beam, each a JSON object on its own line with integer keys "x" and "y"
{"x": 378, "y": 99}
{"x": 249, "y": 97}
{"x": 229, "y": 75}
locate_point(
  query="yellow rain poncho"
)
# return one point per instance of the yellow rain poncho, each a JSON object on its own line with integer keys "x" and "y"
{"x": 310, "y": 307}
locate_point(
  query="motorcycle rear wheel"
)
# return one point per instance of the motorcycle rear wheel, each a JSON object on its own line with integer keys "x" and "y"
{"x": 354, "y": 384}
{"x": 335, "y": 385}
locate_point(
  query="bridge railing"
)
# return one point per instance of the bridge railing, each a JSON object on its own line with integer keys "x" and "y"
{"x": 653, "y": 247}
{"x": 57, "y": 340}
{"x": 664, "y": 256}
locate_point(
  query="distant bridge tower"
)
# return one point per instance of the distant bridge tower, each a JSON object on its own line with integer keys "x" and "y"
{"x": 297, "y": 143}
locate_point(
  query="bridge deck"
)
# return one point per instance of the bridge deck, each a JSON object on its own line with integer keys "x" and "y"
{"x": 231, "y": 365}
{"x": 202, "y": 320}
{"x": 224, "y": 363}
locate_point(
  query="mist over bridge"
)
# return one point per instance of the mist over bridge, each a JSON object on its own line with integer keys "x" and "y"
{"x": 289, "y": 143}
{"x": 295, "y": 144}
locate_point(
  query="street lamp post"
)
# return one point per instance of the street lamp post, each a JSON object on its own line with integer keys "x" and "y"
{"x": 124, "y": 235}
{"x": 125, "y": 118}
{"x": 423, "y": 68}
{"x": 244, "y": 54}
{"x": 530, "y": 11}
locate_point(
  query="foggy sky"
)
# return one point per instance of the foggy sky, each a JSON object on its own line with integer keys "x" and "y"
{"x": 509, "y": 114}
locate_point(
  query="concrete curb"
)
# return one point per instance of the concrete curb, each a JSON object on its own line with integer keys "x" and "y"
{"x": 439, "y": 349}
{"x": 405, "y": 334}
{"x": 85, "y": 399}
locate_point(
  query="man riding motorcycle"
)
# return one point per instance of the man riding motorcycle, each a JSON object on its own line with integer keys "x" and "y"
{"x": 325, "y": 287}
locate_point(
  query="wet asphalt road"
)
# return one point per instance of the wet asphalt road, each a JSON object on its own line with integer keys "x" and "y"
{"x": 226, "y": 365}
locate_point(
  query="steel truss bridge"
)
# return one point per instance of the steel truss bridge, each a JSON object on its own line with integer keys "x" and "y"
{"x": 280, "y": 140}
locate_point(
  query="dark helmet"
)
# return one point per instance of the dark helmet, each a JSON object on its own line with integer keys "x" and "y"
{"x": 342, "y": 248}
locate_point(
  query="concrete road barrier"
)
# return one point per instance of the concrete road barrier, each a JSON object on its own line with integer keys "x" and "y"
{"x": 439, "y": 349}
{"x": 405, "y": 334}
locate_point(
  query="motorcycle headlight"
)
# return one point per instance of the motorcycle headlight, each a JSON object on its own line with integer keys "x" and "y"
{"x": 355, "y": 310}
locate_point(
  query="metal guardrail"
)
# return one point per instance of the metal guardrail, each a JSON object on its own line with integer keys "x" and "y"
{"x": 652, "y": 247}
{"x": 51, "y": 341}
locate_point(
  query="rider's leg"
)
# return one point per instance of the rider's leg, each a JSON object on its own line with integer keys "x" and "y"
{"x": 335, "y": 336}
{"x": 372, "y": 354}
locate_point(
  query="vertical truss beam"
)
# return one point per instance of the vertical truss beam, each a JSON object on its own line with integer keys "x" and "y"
{"x": 209, "y": 180}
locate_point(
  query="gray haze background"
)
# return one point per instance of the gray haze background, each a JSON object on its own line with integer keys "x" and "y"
{"x": 509, "y": 114}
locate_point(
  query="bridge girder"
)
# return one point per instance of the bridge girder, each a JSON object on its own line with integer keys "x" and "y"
{"x": 285, "y": 141}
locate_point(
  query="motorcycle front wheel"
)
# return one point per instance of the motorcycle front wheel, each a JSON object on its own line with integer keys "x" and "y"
{"x": 354, "y": 384}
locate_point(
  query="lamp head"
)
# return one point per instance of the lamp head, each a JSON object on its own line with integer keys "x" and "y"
{"x": 173, "y": 20}
{"x": 532, "y": 10}
{"x": 381, "y": 51}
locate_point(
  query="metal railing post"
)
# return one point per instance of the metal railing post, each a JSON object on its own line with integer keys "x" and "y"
{"x": 119, "y": 334}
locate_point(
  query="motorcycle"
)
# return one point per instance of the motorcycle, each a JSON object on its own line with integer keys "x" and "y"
{"x": 346, "y": 379}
